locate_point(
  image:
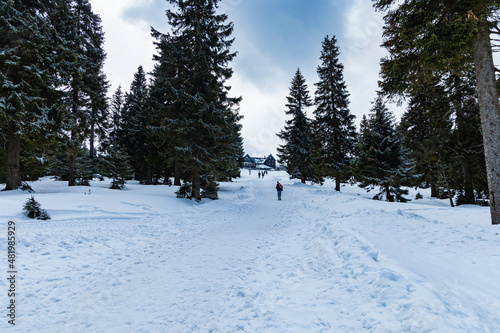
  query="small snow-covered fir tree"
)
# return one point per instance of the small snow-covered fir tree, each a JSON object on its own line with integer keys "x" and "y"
{"x": 33, "y": 210}
{"x": 210, "y": 190}
{"x": 296, "y": 152}
{"x": 381, "y": 160}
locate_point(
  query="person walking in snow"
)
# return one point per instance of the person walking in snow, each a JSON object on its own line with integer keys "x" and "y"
{"x": 279, "y": 188}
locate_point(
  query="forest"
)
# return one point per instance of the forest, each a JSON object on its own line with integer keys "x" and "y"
{"x": 183, "y": 124}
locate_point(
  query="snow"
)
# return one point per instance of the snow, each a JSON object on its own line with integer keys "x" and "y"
{"x": 141, "y": 260}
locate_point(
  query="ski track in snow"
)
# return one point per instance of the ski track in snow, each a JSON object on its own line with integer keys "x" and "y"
{"x": 317, "y": 261}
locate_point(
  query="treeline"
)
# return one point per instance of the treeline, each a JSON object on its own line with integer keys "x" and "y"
{"x": 437, "y": 144}
{"x": 55, "y": 118}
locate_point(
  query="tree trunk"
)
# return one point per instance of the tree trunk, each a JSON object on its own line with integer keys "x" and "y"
{"x": 167, "y": 175}
{"x": 468, "y": 183}
{"x": 149, "y": 177}
{"x": 196, "y": 184}
{"x": 91, "y": 144}
{"x": 390, "y": 197}
{"x": 490, "y": 114}
{"x": 337, "y": 181}
{"x": 71, "y": 167}
{"x": 73, "y": 146}
{"x": 13, "y": 176}
{"x": 434, "y": 190}
{"x": 450, "y": 195}
{"x": 177, "y": 177}
{"x": 462, "y": 137}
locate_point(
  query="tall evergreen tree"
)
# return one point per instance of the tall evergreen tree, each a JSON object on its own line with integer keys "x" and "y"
{"x": 98, "y": 113}
{"x": 115, "y": 115}
{"x": 133, "y": 134}
{"x": 201, "y": 118}
{"x": 427, "y": 38}
{"x": 296, "y": 152}
{"x": 30, "y": 54}
{"x": 426, "y": 132}
{"x": 381, "y": 160}
{"x": 87, "y": 85}
{"x": 333, "y": 126}
{"x": 165, "y": 102}
{"x": 468, "y": 152}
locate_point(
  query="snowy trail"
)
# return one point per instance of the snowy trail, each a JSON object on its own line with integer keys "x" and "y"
{"x": 317, "y": 261}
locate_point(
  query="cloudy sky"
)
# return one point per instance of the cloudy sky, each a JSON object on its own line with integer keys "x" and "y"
{"x": 273, "y": 38}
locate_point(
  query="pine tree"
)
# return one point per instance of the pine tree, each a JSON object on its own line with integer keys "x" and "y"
{"x": 87, "y": 85}
{"x": 381, "y": 160}
{"x": 98, "y": 113}
{"x": 164, "y": 102}
{"x": 115, "y": 165}
{"x": 426, "y": 132}
{"x": 333, "y": 126}
{"x": 296, "y": 152}
{"x": 427, "y": 38}
{"x": 33, "y": 209}
{"x": 468, "y": 151}
{"x": 115, "y": 115}
{"x": 31, "y": 51}
{"x": 133, "y": 133}
{"x": 200, "y": 117}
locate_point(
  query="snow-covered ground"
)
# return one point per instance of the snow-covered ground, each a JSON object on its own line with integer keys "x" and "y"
{"x": 140, "y": 260}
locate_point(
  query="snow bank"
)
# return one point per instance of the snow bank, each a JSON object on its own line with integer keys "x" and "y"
{"x": 140, "y": 260}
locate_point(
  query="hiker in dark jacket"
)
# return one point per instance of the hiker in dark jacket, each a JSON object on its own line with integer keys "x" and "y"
{"x": 279, "y": 188}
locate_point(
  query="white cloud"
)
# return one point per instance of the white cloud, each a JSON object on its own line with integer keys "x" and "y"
{"x": 361, "y": 54}
{"x": 128, "y": 44}
{"x": 261, "y": 77}
{"x": 263, "y": 111}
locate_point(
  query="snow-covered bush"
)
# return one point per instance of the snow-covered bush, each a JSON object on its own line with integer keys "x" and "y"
{"x": 211, "y": 190}
{"x": 185, "y": 191}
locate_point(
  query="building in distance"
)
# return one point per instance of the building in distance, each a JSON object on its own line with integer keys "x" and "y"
{"x": 259, "y": 163}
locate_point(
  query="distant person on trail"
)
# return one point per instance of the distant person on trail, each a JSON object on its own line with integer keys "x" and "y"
{"x": 259, "y": 174}
{"x": 279, "y": 188}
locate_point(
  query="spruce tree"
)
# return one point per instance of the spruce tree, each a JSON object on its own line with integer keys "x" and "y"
{"x": 115, "y": 115}
{"x": 86, "y": 86}
{"x": 468, "y": 151}
{"x": 164, "y": 102}
{"x": 296, "y": 152}
{"x": 200, "y": 117}
{"x": 333, "y": 126}
{"x": 115, "y": 165}
{"x": 381, "y": 160}
{"x": 427, "y": 38}
{"x": 30, "y": 56}
{"x": 133, "y": 133}
{"x": 426, "y": 132}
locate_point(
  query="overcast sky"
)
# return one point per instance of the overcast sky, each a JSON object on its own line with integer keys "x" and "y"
{"x": 273, "y": 38}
